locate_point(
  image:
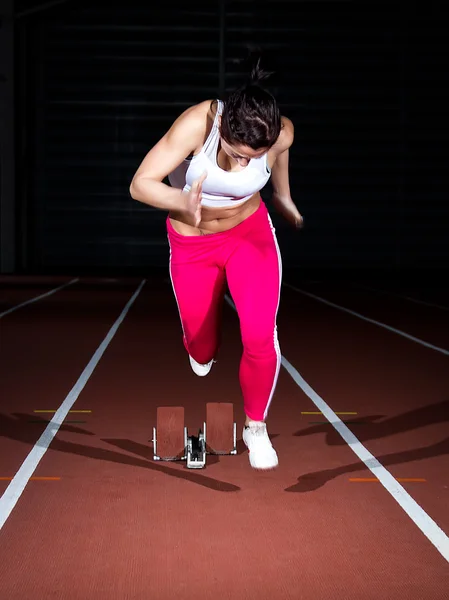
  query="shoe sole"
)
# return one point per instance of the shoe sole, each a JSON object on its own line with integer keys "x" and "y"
{"x": 204, "y": 372}
{"x": 269, "y": 468}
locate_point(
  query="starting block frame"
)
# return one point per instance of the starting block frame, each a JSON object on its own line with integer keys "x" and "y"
{"x": 173, "y": 442}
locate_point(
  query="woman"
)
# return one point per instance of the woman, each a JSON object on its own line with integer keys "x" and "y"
{"x": 220, "y": 231}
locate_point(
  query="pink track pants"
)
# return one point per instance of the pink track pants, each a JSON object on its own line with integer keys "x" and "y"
{"x": 248, "y": 258}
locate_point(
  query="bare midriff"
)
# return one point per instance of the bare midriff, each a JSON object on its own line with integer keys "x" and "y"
{"x": 216, "y": 220}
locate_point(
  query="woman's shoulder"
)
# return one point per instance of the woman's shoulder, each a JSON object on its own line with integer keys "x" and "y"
{"x": 202, "y": 110}
{"x": 286, "y": 136}
{"x": 195, "y": 123}
{"x": 195, "y": 120}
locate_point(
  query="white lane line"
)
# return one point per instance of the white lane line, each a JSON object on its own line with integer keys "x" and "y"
{"x": 355, "y": 314}
{"x": 18, "y": 483}
{"x": 396, "y": 295}
{"x": 36, "y": 298}
{"x": 429, "y": 528}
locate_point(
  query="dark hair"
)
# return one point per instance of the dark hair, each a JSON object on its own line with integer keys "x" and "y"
{"x": 251, "y": 115}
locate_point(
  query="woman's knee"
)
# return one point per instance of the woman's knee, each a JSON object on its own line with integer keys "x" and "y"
{"x": 257, "y": 339}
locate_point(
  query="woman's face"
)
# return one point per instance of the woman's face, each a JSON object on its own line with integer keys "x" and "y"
{"x": 240, "y": 153}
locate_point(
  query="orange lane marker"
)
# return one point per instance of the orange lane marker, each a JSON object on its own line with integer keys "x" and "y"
{"x": 375, "y": 480}
{"x": 33, "y": 478}
{"x": 70, "y": 411}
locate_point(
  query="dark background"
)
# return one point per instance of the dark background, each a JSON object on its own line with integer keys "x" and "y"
{"x": 95, "y": 86}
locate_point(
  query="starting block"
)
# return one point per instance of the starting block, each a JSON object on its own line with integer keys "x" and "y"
{"x": 172, "y": 441}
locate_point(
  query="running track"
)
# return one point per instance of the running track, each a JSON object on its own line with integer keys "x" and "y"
{"x": 85, "y": 512}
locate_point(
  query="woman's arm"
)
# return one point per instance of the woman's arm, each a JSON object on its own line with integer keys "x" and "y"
{"x": 184, "y": 136}
{"x": 282, "y": 200}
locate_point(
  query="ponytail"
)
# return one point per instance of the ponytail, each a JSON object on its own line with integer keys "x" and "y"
{"x": 257, "y": 74}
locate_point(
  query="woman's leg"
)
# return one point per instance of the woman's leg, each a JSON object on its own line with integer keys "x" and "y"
{"x": 254, "y": 273}
{"x": 198, "y": 285}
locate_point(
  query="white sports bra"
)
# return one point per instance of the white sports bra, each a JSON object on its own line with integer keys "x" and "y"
{"x": 220, "y": 188}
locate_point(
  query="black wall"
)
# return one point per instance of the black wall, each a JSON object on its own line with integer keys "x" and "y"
{"x": 364, "y": 83}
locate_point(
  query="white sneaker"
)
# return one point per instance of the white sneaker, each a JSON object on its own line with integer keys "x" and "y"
{"x": 199, "y": 369}
{"x": 262, "y": 455}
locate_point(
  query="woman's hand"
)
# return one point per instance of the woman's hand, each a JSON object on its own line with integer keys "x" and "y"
{"x": 192, "y": 205}
{"x": 287, "y": 208}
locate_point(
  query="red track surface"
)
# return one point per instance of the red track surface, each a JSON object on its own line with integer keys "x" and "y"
{"x": 118, "y": 525}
